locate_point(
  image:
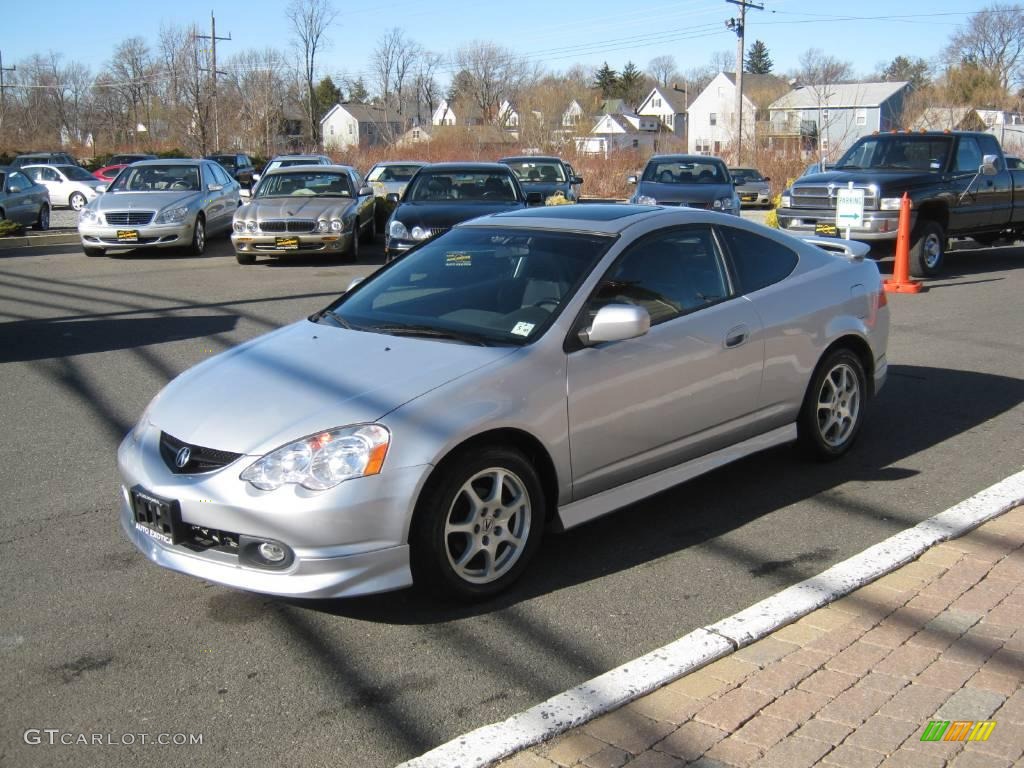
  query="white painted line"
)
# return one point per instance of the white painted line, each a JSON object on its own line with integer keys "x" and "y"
{"x": 621, "y": 685}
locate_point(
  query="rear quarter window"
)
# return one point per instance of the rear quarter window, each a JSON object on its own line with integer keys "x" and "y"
{"x": 758, "y": 261}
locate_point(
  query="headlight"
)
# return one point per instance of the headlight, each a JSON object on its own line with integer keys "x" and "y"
{"x": 252, "y": 226}
{"x": 398, "y": 231}
{"x": 724, "y": 204}
{"x": 786, "y": 202}
{"x": 323, "y": 225}
{"x": 420, "y": 233}
{"x": 172, "y": 215}
{"x": 239, "y": 226}
{"x": 890, "y": 203}
{"x": 645, "y": 200}
{"x": 336, "y": 225}
{"x": 88, "y": 216}
{"x": 323, "y": 460}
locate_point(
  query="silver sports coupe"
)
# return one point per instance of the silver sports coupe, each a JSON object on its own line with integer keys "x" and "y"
{"x": 526, "y": 370}
{"x": 305, "y": 209}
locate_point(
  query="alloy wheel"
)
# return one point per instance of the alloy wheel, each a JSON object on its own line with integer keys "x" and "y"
{"x": 838, "y": 405}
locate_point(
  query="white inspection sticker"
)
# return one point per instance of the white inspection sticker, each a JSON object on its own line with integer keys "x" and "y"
{"x": 523, "y": 329}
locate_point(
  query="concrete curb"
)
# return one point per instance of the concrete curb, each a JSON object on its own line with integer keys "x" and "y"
{"x": 37, "y": 241}
{"x": 639, "y": 677}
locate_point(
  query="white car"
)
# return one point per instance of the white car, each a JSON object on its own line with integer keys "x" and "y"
{"x": 69, "y": 185}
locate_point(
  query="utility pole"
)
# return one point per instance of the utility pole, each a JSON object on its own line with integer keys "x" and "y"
{"x": 686, "y": 109}
{"x": 212, "y": 37}
{"x": 737, "y": 26}
{"x": 3, "y": 99}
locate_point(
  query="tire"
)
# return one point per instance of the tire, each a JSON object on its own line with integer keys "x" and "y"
{"x": 43, "y": 220}
{"x": 928, "y": 249}
{"x": 833, "y": 408}
{"x": 460, "y": 541}
{"x": 369, "y": 231}
{"x": 89, "y": 251}
{"x": 245, "y": 257}
{"x": 77, "y": 201}
{"x": 352, "y": 254}
{"x": 198, "y": 244}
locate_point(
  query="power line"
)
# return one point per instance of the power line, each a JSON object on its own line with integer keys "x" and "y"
{"x": 212, "y": 37}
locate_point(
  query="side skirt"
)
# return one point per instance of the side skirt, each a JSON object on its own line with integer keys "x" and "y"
{"x": 599, "y": 504}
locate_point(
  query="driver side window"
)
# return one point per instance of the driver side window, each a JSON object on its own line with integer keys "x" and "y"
{"x": 669, "y": 273}
{"x": 968, "y": 155}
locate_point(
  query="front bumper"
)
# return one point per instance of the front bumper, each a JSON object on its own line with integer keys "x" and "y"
{"x": 878, "y": 225}
{"x": 395, "y": 248}
{"x": 754, "y": 198}
{"x": 313, "y": 242}
{"x": 149, "y": 235}
{"x": 349, "y": 540}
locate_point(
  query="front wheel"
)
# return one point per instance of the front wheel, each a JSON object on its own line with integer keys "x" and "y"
{"x": 928, "y": 249}
{"x": 77, "y": 201}
{"x": 43, "y": 220}
{"x": 198, "y": 244}
{"x": 833, "y": 408}
{"x": 478, "y": 526}
{"x": 353, "y": 246}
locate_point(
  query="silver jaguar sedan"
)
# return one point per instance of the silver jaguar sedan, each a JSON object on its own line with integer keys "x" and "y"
{"x": 305, "y": 208}
{"x": 160, "y": 204}
{"x": 526, "y": 370}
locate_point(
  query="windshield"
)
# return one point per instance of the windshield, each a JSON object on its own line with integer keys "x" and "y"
{"x": 745, "y": 175}
{"x": 158, "y": 178}
{"x": 290, "y": 163}
{"x": 685, "y": 172}
{"x": 901, "y": 152}
{"x": 462, "y": 185}
{"x": 392, "y": 172}
{"x": 537, "y": 171}
{"x": 228, "y": 161}
{"x": 305, "y": 184}
{"x": 480, "y": 285}
{"x": 76, "y": 173}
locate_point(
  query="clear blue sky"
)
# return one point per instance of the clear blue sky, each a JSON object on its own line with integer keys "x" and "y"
{"x": 556, "y": 34}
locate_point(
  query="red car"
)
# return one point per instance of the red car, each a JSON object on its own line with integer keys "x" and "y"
{"x": 108, "y": 173}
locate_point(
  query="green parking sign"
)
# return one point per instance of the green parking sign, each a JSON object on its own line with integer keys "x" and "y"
{"x": 849, "y": 208}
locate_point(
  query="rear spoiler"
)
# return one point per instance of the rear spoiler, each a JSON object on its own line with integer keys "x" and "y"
{"x": 851, "y": 249}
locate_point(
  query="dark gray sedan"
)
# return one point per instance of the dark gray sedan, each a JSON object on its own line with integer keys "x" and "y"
{"x": 691, "y": 181}
{"x": 22, "y": 200}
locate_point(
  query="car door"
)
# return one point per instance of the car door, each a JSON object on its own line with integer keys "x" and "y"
{"x": 217, "y": 215}
{"x": 19, "y": 205}
{"x": 684, "y": 389}
{"x": 52, "y": 180}
{"x": 972, "y": 208}
{"x": 364, "y": 203}
{"x": 998, "y": 188}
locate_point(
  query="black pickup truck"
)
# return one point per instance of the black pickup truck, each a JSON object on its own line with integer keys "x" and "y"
{"x": 958, "y": 183}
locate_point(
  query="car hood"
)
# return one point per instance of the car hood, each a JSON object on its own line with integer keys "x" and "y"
{"x": 304, "y": 378}
{"x": 294, "y": 208}
{"x": 448, "y": 214}
{"x": 752, "y": 186}
{"x": 684, "y": 193}
{"x": 882, "y": 178}
{"x": 143, "y": 201}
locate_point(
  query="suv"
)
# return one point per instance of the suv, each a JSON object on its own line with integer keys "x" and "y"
{"x": 43, "y": 158}
{"x": 238, "y": 165}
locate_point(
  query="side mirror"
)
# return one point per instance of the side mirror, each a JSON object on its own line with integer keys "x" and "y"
{"x": 766, "y": 178}
{"x": 577, "y": 179}
{"x": 988, "y": 165}
{"x": 355, "y": 281}
{"x": 366, "y": 190}
{"x": 391, "y": 197}
{"x": 534, "y": 198}
{"x": 617, "y": 322}
{"x": 631, "y": 179}
{"x": 215, "y": 187}
{"x": 255, "y": 178}
{"x": 102, "y": 188}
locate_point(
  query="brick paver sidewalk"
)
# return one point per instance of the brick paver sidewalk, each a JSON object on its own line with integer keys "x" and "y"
{"x": 853, "y": 684}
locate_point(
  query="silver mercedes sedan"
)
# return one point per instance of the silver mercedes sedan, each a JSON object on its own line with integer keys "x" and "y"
{"x": 526, "y": 370}
{"x": 160, "y": 204}
{"x": 305, "y": 209}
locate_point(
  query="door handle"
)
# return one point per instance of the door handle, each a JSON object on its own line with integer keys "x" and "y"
{"x": 736, "y": 336}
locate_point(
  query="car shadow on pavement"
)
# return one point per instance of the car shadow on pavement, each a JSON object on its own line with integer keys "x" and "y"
{"x": 968, "y": 260}
{"x": 920, "y": 407}
{"x": 369, "y": 256}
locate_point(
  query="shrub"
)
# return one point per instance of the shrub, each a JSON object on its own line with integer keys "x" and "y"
{"x": 9, "y": 228}
{"x": 558, "y": 199}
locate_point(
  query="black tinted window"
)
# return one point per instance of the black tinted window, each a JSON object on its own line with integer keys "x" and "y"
{"x": 669, "y": 273}
{"x": 759, "y": 262}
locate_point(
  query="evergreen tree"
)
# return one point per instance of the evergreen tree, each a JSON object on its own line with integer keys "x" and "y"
{"x": 631, "y": 85}
{"x": 758, "y": 61}
{"x": 357, "y": 91}
{"x": 326, "y": 94}
{"x": 606, "y": 81}
{"x": 914, "y": 71}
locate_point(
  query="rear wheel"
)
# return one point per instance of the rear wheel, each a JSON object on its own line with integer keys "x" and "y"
{"x": 77, "y": 201}
{"x": 833, "y": 408}
{"x": 198, "y": 244}
{"x": 43, "y": 220}
{"x": 928, "y": 249}
{"x": 478, "y": 526}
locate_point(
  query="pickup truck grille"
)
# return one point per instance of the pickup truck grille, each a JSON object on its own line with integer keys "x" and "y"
{"x": 808, "y": 196}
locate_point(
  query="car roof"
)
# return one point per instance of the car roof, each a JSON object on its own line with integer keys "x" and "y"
{"x": 400, "y": 162}
{"x": 531, "y": 158}
{"x": 685, "y": 158}
{"x": 604, "y": 218}
{"x": 297, "y": 156}
{"x": 469, "y": 166}
{"x": 167, "y": 161}
{"x": 302, "y": 168}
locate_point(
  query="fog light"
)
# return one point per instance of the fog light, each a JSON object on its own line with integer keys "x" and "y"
{"x": 272, "y": 553}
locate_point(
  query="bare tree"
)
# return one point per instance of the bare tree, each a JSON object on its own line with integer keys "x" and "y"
{"x": 993, "y": 38}
{"x": 428, "y": 91}
{"x": 817, "y": 67}
{"x": 723, "y": 61}
{"x": 133, "y": 69}
{"x": 310, "y": 20}
{"x": 663, "y": 70}
{"x": 489, "y": 74}
{"x": 258, "y": 79}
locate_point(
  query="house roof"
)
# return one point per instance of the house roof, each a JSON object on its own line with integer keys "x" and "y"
{"x": 672, "y": 97}
{"x": 463, "y": 110}
{"x": 941, "y": 118}
{"x": 365, "y": 113}
{"x": 613, "y": 107}
{"x": 839, "y": 95}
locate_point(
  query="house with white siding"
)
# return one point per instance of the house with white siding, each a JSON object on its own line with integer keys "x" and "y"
{"x": 620, "y": 131}
{"x": 669, "y": 106}
{"x": 711, "y": 116}
{"x": 363, "y": 125}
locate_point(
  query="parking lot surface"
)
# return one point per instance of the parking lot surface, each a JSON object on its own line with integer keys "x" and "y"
{"x": 97, "y": 640}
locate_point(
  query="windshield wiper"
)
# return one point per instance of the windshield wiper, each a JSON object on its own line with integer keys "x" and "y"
{"x": 405, "y": 329}
{"x": 335, "y": 317}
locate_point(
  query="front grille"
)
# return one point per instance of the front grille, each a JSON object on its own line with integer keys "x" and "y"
{"x": 200, "y": 459}
{"x": 820, "y": 197}
{"x": 199, "y": 538}
{"x": 129, "y": 218}
{"x": 289, "y": 225}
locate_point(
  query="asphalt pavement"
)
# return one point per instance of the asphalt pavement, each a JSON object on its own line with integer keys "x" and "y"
{"x": 94, "y": 640}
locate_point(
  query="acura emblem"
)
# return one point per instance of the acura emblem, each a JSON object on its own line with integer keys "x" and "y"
{"x": 182, "y": 457}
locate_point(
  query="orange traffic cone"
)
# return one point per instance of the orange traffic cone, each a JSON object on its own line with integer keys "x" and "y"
{"x": 900, "y": 281}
